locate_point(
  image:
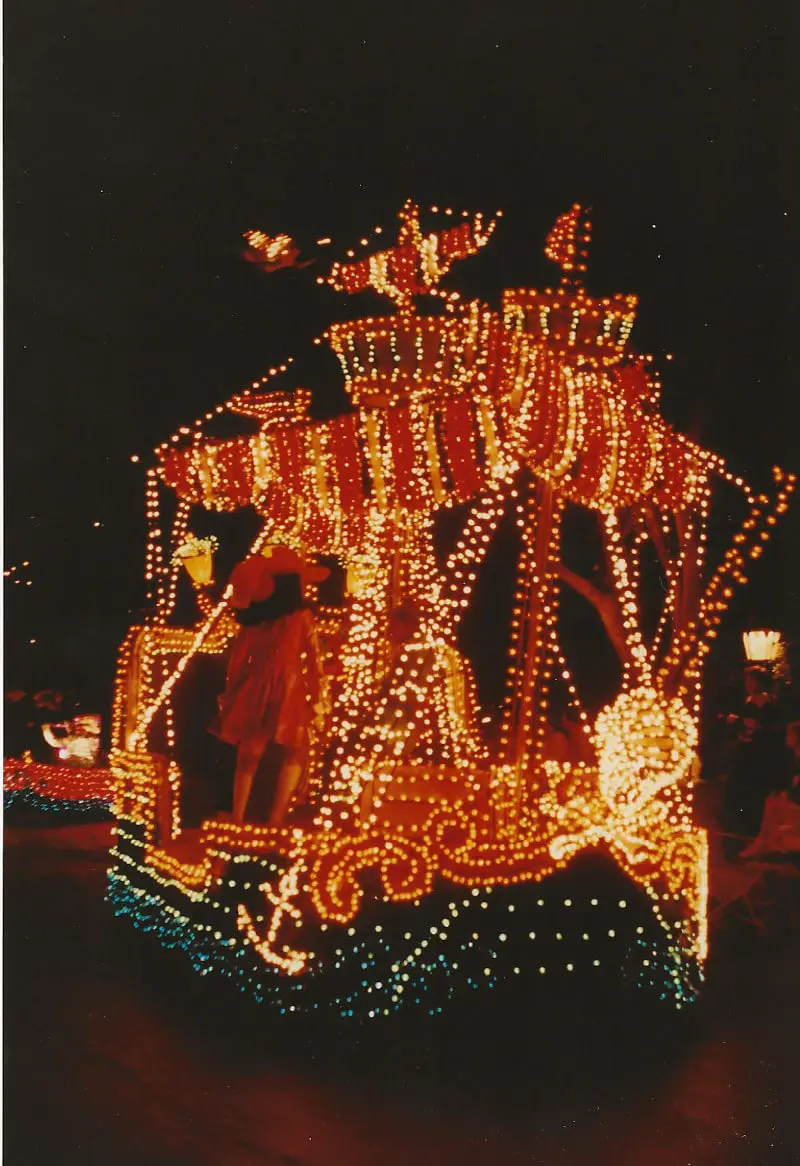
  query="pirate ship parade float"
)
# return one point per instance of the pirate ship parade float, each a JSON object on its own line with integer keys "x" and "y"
{"x": 435, "y": 860}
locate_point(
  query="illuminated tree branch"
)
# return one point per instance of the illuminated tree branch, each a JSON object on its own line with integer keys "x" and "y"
{"x": 606, "y": 606}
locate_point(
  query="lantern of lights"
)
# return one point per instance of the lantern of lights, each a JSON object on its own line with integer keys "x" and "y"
{"x": 197, "y": 556}
{"x": 762, "y": 647}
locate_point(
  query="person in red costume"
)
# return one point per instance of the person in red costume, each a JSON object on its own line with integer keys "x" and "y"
{"x": 273, "y": 691}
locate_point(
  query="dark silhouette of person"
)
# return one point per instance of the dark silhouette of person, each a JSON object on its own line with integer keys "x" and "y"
{"x": 757, "y": 763}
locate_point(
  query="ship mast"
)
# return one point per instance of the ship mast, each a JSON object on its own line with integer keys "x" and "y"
{"x": 539, "y": 518}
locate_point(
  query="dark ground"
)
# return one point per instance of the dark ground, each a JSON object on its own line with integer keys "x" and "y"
{"x": 117, "y": 1055}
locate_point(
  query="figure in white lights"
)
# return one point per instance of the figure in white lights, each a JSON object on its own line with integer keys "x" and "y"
{"x": 645, "y": 744}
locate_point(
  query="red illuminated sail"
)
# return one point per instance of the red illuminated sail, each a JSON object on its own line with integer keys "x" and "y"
{"x": 568, "y": 241}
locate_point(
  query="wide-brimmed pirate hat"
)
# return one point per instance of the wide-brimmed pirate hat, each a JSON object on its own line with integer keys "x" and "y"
{"x": 253, "y": 580}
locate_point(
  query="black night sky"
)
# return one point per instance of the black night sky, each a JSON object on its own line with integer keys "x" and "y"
{"x": 142, "y": 138}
